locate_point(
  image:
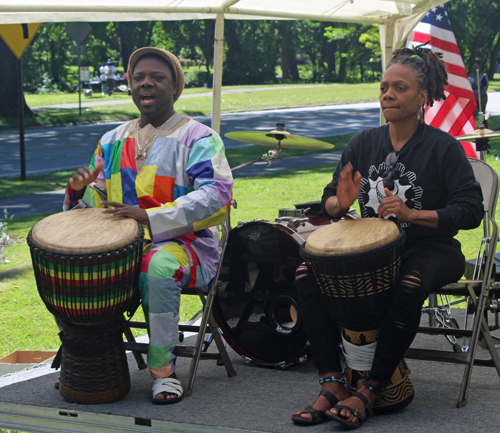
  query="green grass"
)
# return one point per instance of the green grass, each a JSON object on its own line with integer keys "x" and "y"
{"x": 272, "y": 98}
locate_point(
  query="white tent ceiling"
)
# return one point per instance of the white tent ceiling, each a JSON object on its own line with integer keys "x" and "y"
{"x": 395, "y": 18}
{"x": 359, "y": 11}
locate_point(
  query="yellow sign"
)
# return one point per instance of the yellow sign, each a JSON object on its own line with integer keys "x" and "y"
{"x": 18, "y": 36}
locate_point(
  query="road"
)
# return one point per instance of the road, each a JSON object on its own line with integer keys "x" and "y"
{"x": 59, "y": 148}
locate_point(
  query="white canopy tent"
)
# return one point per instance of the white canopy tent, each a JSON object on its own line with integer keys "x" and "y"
{"x": 395, "y": 18}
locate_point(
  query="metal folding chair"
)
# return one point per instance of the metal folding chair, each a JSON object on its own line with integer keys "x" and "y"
{"x": 475, "y": 291}
{"x": 207, "y": 326}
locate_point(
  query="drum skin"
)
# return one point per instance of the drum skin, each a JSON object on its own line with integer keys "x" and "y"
{"x": 256, "y": 302}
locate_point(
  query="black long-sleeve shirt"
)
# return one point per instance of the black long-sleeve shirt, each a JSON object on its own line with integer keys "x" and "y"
{"x": 432, "y": 173}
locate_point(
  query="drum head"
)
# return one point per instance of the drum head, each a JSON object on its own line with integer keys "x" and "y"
{"x": 84, "y": 231}
{"x": 256, "y": 304}
{"x": 352, "y": 236}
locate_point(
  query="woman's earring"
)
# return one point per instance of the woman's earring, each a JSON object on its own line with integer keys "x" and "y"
{"x": 422, "y": 114}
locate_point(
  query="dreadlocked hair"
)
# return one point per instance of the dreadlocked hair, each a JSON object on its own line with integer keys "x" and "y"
{"x": 431, "y": 70}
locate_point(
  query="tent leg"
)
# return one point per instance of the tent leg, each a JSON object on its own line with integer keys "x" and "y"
{"x": 386, "y": 32}
{"x": 217, "y": 83}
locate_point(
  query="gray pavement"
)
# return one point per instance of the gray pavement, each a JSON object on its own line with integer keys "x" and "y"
{"x": 256, "y": 400}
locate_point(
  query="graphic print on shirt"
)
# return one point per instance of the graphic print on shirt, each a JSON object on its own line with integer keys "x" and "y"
{"x": 372, "y": 190}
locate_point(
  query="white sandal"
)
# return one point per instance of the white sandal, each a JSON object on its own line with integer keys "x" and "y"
{"x": 169, "y": 385}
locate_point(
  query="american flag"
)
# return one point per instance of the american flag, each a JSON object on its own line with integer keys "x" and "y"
{"x": 456, "y": 114}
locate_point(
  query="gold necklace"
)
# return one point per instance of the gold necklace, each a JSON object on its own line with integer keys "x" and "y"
{"x": 144, "y": 150}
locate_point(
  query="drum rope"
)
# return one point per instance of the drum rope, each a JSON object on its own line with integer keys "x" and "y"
{"x": 358, "y": 357}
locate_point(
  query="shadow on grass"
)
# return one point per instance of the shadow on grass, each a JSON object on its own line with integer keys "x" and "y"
{"x": 193, "y": 112}
{"x": 15, "y": 273}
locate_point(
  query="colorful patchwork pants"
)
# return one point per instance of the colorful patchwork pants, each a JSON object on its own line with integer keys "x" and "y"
{"x": 165, "y": 269}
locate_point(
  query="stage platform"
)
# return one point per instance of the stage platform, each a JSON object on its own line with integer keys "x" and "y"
{"x": 256, "y": 400}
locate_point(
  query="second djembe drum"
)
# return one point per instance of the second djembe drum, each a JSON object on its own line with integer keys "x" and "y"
{"x": 356, "y": 265}
{"x": 87, "y": 266}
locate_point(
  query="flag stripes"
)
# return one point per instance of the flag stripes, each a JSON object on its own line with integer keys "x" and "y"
{"x": 455, "y": 115}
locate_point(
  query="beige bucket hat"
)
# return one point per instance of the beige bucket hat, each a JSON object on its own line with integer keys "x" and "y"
{"x": 168, "y": 56}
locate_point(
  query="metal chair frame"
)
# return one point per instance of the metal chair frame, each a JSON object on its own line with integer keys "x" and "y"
{"x": 207, "y": 326}
{"x": 476, "y": 291}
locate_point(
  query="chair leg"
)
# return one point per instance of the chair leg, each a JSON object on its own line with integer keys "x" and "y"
{"x": 130, "y": 338}
{"x": 198, "y": 345}
{"x": 231, "y": 372}
{"x": 207, "y": 320}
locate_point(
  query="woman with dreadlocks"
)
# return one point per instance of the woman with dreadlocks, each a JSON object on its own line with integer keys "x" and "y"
{"x": 420, "y": 175}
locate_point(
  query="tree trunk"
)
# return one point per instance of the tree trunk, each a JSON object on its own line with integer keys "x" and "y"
{"x": 9, "y": 85}
{"x": 132, "y": 36}
{"x": 493, "y": 58}
{"x": 343, "y": 62}
{"x": 288, "y": 57}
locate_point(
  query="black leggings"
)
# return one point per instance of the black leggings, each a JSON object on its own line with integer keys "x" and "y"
{"x": 425, "y": 267}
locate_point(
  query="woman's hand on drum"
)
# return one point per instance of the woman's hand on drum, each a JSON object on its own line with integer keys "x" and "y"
{"x": 126, "y": 210}
{"x": 348, "y": 187}
{"x": 85, "y": 176}
{"x": 392, "y": 204}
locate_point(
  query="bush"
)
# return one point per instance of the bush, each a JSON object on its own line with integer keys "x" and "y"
{"x": 47, "y": 86}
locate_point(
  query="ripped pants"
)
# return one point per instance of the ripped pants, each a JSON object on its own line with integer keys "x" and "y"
{"x": 425, "y": 267}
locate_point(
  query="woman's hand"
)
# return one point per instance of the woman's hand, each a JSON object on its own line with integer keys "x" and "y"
{"x": 126, "y": 210}
{"x": 392, "y": 204}
{"x": 348, "y": 187}
{"x": 85, "y": 176}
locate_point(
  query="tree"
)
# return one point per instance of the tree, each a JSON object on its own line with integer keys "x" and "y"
{"x": 475, "y": 25}
{"x": 9, "y": 88}
{"x": 250, "y": 52}
{"x": 288, "y": 52}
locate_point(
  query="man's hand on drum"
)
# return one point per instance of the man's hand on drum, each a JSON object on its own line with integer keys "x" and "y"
{"x": 393, "y": 205}
{"x": 126, "y": 210}
{"x": 85, "y": 176}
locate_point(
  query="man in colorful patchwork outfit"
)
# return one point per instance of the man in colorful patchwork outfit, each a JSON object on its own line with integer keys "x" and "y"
{"x": 168, "y": 172}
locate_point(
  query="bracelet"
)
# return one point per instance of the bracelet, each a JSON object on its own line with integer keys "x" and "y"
{"x": 368, "y": 384}
{"x": 331, "y": 379}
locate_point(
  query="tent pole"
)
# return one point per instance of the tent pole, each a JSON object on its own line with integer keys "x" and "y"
{"x": 217, "y": 80}
{"x": 386, "y": 32}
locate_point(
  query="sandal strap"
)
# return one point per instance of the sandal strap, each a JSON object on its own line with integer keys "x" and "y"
{"x": 315, "y": 413}
{"x": 367, "y": 404}
{"x": 329, "y": 396}
{"x": 355, "y": 412}
{"x": 169, "y": 385}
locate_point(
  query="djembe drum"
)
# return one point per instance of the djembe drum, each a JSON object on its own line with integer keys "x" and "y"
{"x": 356, "y": 265}
{"x": 87, "y": 266}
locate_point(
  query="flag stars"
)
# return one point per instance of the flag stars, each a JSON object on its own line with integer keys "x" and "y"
{"x": 439, "y": 17}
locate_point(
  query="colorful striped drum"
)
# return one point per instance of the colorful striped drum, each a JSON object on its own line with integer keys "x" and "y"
{"x": 86, "y": 263}
{"x": 87, "y": 266}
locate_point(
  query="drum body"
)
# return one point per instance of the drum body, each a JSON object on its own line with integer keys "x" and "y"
{"x": 356, "y": 265}
{"x": 87, "y": 266}
{"x": 356, "y": 276}
{"x": 256, "y": 302}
